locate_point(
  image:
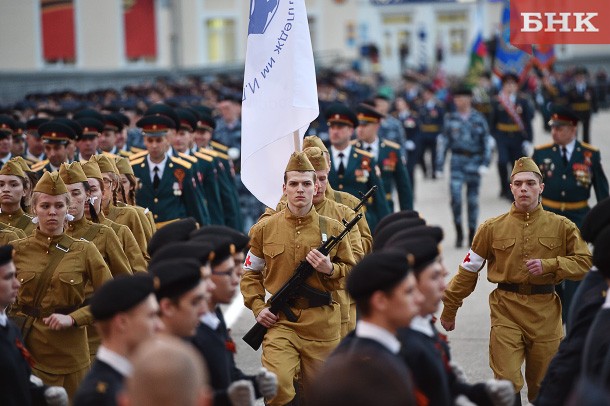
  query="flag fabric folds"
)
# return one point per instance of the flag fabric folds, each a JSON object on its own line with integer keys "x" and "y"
{"x": 279, "y": 98}
{"x": 508, "y": 57}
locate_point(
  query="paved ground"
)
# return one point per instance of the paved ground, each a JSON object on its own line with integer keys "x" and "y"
{"x": 469, "y": 341}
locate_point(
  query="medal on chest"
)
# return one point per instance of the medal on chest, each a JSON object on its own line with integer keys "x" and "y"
{"x": 179, "y": 174}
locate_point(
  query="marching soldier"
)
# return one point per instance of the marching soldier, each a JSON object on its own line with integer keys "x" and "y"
{"x": 7, "y": 127}
{"x": 12, "y": 185}
{"x": 35, "y": 148}
{"x": 389, "y": 156}
{"x": 18, "y": 147}
{"x": 128, "y": 194}
{"x": 55, "y": 137}
{"x": 582, "y": 99}
{"x": 431, "y": 113}
{"x": 87, "y": 142}
{"x": 353, "y": 170}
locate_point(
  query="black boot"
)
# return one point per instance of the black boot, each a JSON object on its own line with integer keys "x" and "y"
{"x": 459, "y": 239}
{"x": 471, "y": 232}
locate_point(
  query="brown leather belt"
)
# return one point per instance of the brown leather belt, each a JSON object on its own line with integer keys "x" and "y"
{"x": 508, "y": 128}
{"x": 526, "y": 288}
{"x": 553, "y": 204}
{"x": 39, "y": 313}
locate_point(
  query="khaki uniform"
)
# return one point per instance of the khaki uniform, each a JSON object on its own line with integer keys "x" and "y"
{"x": 146, "y": 219}
{"x": 523, "y": 326}
{"x": 6, "y": 236}
{"x": 20, "y": 233}
{"x": 109, "y": 246}
{"x": 282, "y": 241}
{"x": 128, "y": 216}
{"x": 62, "y": 356}
{"x": 19, "y": 219}
{"x": 129, "y": 244}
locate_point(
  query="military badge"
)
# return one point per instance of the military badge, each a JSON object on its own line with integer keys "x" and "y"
{"x": 588, "y": 155}
{"x": 389, "y": 164}
{"x": 582, "y": 173}
{"x": 179, "y": 174}
{"x": 547, "y": 167}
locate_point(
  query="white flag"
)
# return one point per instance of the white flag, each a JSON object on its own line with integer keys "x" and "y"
{"x": 280, "y": 94}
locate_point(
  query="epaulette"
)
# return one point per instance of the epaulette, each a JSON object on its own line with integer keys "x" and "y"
{"x": 109, "y": 154}
{"x": 138, "y": 154}
{"x": 125, "y": 154}
{"x": 39, "y": 165}
{"x": 392, "y": 144}
{"x": 354, "y": 142}
{"x": 589, "y": 146}
{"x": 218, "y": 145}
{"x": 138, "y": 161}
{"x": 544, "y": 146}
{"x": 187, "y": 157}
{"x": 180, "y": 161}
{"x": 216, "y": 154}
{"x": 32, "y": 160}
{"x": 363, "y": 152}
{"x": 204, "y": 157}
{"x": 135, "y": 150}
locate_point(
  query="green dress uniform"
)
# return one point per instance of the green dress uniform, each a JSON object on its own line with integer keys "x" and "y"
{"x": 359, "y": 176}
{"x": 19, "y": 219}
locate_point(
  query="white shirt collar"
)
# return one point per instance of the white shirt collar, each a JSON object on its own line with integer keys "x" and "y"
{"x": 6, "y": 158}
{"x": 372, "y": 331}
{"x": 116, "y": 361}
{"x": 374, "y": 147}
{"x": 160, "y": 165}
{"x": 3, "y": 318}
{"x": 570, "y": 148}
{"x": 336, "y": 159}
{"x": 422, "y": 324}
{"x": 211, "y": 320}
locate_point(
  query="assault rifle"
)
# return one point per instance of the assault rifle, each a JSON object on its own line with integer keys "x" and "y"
{"x": 280, "y": 301}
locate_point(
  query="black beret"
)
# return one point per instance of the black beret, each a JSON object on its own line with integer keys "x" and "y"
{"x": 55, "y": 132}
{"x": 120, "y": 295}
{"x": 77, "y": 128}
{"x": 596, "y": 220}
{"x": 223, "y": 248}
{"x": 155, "y": 126}
{"x": 388, "y": 231}
{"x": 338, "y": 113}
{"x": 88, "y": 113}
{"x": 173, "y": 232}
{"x": 112, "y": 122}
{"x": 6, "y": 254}
{"x": 601, "y": 252}
{"x": 200, "y": 250}
{"x": 424, "y": 250}
{"x": 188, "y": 120}
{"x": 239, "y": 239}
{"x": 92, "y": 127}
{"x": 434, "y": 232}
{"x": 399, "y": 215}
{"x": 176, "y": 276}
{"x": 368, "y": 114}
{"x": 377, "y": 271}
{"x": 562, "y": 115}
{"x": 7, "y": 125}
{"x": 164, "y": 110}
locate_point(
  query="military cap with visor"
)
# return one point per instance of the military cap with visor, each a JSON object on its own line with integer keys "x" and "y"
{"x": 53, "y": 132}
{"x": 161, "y": 109}
{"x": 155, "y": 126}
{"x": 188, "y": 121}
{"x": 92, "y": 128}
{"x": 562, "y": 116}
{"x": 339, "y": 113}
{"x": 31, "y": 126}
{"x": 367, "y": 114}
{"x": 7, "y": 126}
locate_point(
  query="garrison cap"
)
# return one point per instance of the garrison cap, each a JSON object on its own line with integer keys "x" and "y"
{"x": 92, "y": 170}
{"x": 596, "y": 220}
{"x": 7, "y": 125}
{"x": 32, "y": 125}
{"x": 424, "y": 250}
{"x": 239, "y": 239}
{"x": 22, "y": 162}
{"x": 339, "y": 113}
{"x": 601, "y": 252}
{"x": 91, "y": 128}
{"x": 173, "y": 232}
{"x": 314, "y": 141}
{"x": 122, "y": 164}
{"x": 510, "y": 76}
{"x": 562, "y": 115}
{"x": 299, "y": 162}
{"x": 377, "y": 271}
{"x": 156, "y": 125}
{"x": 51, "y": 184}
{"x": 77, "y": 128}
{"x": 112, "y": 122}
{"x": 368, "y": 114}
{"x": 72, "y": 173}
{"x": 6, "y": 254}
{"x": 53, "y": 132}
{"x": 525, "y": 164}
{"x": 176, "y": 276}
{"x": 388, "y": 231}
{"x": 88, "y": 113}
{"x": 105, "y": 163}
{"x": 188, "y": 120}
{"x": 390, "y": 218}
{"x": 316, "y": 157}
{"x": 202, "y": 251}
{"x": 121, "y": 294}
{"x": 12, "y": 168}
{"x": 160, "y": 109}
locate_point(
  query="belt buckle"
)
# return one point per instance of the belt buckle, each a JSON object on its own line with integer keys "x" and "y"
{"x": 524, "y": 289}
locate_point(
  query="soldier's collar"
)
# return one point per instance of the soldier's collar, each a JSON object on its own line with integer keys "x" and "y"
{"x": 526, "y": 215}
{"x": 288, "y": 215}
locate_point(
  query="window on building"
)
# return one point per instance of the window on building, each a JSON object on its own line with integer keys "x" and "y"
{"x": 140, "y": 30}
{"x": 221, "y": 40}
{"x": 58, "y": 38}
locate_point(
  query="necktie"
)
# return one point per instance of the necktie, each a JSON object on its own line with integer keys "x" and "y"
{"x": 156, "y": 179}
{"x": 341, "y": 170}
{"x": 369, "y": 149}
{"x": 564, "y": 156}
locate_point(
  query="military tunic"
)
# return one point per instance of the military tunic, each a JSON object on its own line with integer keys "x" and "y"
{"x": 583, "y": 101}
{"x": 278, "y": 244}
{"x": 6, "y": 236}
{"x": 128, "y": 216}
{"x": 58, "y": 352}
{"x": 146, "y": 219}
{"x": 351, "y": 202}
{"x": 137, "y": 261}
{"x": 18, "y": 219}
{"x": 468, "y": 141}
{"x": 506, "y": 242}
{"x": 19, "y": 232}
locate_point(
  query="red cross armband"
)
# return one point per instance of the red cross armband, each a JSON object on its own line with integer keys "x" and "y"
{"x": 253, "y": 263}
{"x": 473, "y": 262}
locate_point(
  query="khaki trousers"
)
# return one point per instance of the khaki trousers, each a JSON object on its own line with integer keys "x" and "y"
{"x": 69, "y": 382}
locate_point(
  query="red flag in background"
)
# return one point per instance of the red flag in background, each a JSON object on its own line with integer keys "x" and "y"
{"x": 140, "y": 29}
{"x": 58, "y": 42}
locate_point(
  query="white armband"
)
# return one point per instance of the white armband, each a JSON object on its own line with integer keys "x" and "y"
{"x": 253, "y": 263}
{"x": 473, "y": 262}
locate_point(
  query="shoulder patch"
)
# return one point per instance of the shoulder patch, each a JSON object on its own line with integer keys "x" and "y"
{"x": 218, "y": 145}
{"x": 543, "y": 146}
{"x": 589, "y": 146}
{"x": 204, "y": 157}
{"x": 135, "y": 162}
{"x": 363, "y": 152}
{"x": 39, "y": 165}
{"x": 392, "y": 144}
{"x": 182, "y": 162}
{"x": 187, "y": 157}
{"x": 138, "y": 155}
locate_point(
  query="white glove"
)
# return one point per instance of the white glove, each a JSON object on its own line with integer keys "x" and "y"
{"x": 410, "y": 145}
{"x": 36, "y": 381}
{"x": 528, "y": 148}
{"x": 501, "y": 392}
{"x": 56, "y": 396}
{"x": 462, "y": 400}
{"x": 459, "y": 372}
{"x": 482, "y": 170}
{"x": 241, "y": 393}
{"x": 266, "y": 382}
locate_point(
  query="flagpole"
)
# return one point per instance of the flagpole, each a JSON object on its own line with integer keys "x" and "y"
{"x": 297, "y": 140}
